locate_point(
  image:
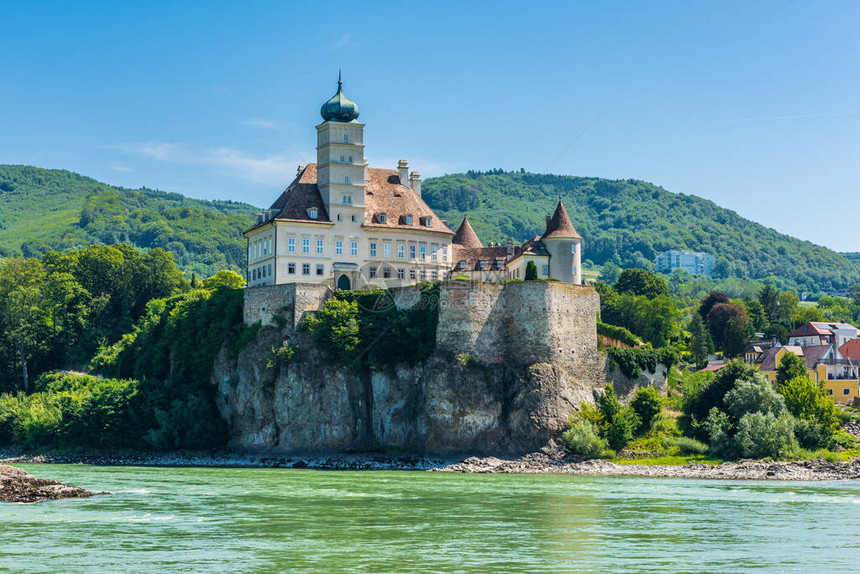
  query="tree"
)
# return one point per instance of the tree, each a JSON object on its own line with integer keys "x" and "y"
{"x": 641, "y": 282}
{"x": 701, "y": 344}
{"x": 854, "y": 293}
{"x": 531, "y": 271}
{"x": 713, "y": 298}
{"x": 719, "y": 319}
{"x": 738, "y": 332}
{"x": 807, "y": 400}
{"x": 769, "y": 299}
{"x": 757, "y": 315}
{"x": 224, "y": 278}
{"x": 647, "y": 405}
{"x": 609, "y": 273}
{"x": 790, "y": 367}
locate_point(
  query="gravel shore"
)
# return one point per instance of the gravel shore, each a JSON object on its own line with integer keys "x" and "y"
{"x": 550, "y": 460}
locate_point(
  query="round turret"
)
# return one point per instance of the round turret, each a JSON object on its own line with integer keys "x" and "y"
{"x": 339, "y": 108}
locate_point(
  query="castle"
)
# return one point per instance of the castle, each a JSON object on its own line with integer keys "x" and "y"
{"x": 347, "y": 226}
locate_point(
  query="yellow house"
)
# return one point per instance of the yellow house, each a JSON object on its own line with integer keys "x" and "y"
{"x": 825, "y": 365}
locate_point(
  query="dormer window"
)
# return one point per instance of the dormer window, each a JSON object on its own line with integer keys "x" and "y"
{"x": 408, "y": 220}
{"x": 499, "y": 264}
{"x": 482, "y": 264}
{"x": 428, "y": 221}
{"x": 462, "y": 265}
{"x": 382, "y": 218}
{"x": 313, "y": 213}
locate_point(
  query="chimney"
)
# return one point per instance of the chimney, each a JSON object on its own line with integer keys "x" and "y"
{"x": 299, "y": 169}
{"x": 415, "y": 182}
{"x": 403, "y": 170}
{"x": 510, "y": 246}
{"x": 548, "y": 219}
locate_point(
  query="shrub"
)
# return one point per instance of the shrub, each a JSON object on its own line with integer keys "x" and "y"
{"x": 843, "y": 439}
{"x": 790, "y": 367}
{"x": 685, "y": 445}
{"x": 608, "y": 404}
{"x": 812, "y": 435}
{"x": 807, "y": 400}
{"x": 463, "y": 359}
{"x": 618, "y": 333}
{"x": 622, "y": 428}
{"x": 647, "y": 405}
{"x": 583, "y": 440}
{"x": 531, "y": 271}
{"x": 753, "y": 395}
{"x": 763, "y": 435}
{"x": 718, "y": 428}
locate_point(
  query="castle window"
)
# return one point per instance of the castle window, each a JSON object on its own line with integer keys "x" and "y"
{"x": 312, "y": 213}
{"x": 412, "y": 274}
{"x": 291, "y": 245}
{"x": 428, "y": 221}
{"x": 346, "y": 179}
{"x": 319, "y": 246}
{"x": 353, "y": 219}
{"x": 482, "y": 264}
{"x": 423, "y": 251}
{"x": 338, "y": 247}
{"x": 401, "y": 273}
{"x": 338, "y": 217}
{"x": 306, "y": 268}
{"x": 347, "y": 199}
{"x": 306, "y": 245}
{"x": 546, "y": 270}
{"x": 423, "y": 275}
{"x": 373, "y": 249}
{"x": 461, "y": 265}
{"x": 386, "y": 272}
{"x": 291, "y": 268}
{"x": 382, "y": 218}
{"x": 408, "y": 220}
{"x": 353, "y": 248}
{"x": 445, "y": 254}
{"x": 434, "y": 253}
{"x": 253, "y": 275}
{"x": 411, "y": 252}
{"x": 434, "y": 275}
{"x": 346, "y": 137}
{"x": 320, "y": 269}
{"x": 373, "y": 272}
{"x": 401, "y": 251}
{"x": 350, "y": 159}
{"x": 263, "y": 271}
{"x": 342, "y": 159}
{"x": 386, "y": 250}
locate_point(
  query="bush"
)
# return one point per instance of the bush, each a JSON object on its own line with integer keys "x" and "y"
{"x": 812, "y": 435}
{"x": 807, "y": 400}
{"x": 763, "y": 435}
{"x": 618, "y": 333}
{"x": 718, "y": 428}
{"x": 608, "y": 404}
{"x": 753, "y": 395}
{"x": 843, "y": 439}
{"x": 583, "y": 440}
{"x": 647, "y": 405}
{"x": 622, "y": 428}
{"x": 685, "y": 445}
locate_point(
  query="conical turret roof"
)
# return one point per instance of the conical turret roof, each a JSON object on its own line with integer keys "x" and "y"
{"x": 466, "y": 236}
{"x": 560, "y": 226}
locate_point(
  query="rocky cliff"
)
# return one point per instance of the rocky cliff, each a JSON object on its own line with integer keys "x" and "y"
{"x": 511, "y": 363}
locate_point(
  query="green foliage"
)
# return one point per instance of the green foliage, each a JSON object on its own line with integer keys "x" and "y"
{"x": 629, "y": 222}
{"x": 763, "y": 435}
{"x": 463, "y": 360}
{"x": 808, "y": 401}
{"x": 647, "y": 405}
{"x": 618, "y": 333}
{"x": 531, "y": 271}
{"x": 224, "y": 278}
{"x": 631, "y": 362}
{"x": 697, "y": 407}
{"x": 622, "y": 429}
{"x": 753, "y": 395}
{"x": 52, "y": 210}
{"x": 70, "y": 410}
{"x": 283, "y": 356}
{"x": 608, "y": 404}
{"x": 641, "y": 282}
{"x": 685, "y": 445}
{"x": 653, "y": 319}
{"x": 790, "y": 367}
{"x": 701, "y": 343}
{"x": 364, "y": 329}
{"x": 583, "y": 440}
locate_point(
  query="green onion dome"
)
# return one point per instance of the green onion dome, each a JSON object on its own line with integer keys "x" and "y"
{"x": 339, "y": 108}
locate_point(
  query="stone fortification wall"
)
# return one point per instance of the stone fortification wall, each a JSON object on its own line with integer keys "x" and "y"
{"x": 512, "y": 361}
{"x": 290, "y": 301}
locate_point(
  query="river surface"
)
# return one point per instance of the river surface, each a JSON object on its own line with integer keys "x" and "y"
{"x": 272, "y": 520}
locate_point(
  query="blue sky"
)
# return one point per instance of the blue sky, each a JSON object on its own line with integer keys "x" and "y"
{"x": 753, "y": 105}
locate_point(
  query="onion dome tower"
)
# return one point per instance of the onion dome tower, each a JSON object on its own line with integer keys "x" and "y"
{"x": 339, "y": 108}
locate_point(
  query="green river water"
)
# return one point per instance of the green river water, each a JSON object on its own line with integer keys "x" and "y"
{"x": 273, "y": 520}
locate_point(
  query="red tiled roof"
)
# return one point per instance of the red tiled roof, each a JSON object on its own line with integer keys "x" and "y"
{"x": 809, "y": 330}
{"x": 851, "y": 350}
{"x": 383, "y": 193}
{"x": 471, "y": 258}
{"x": 560, "y": 225}
{"x": 466, "y": 236}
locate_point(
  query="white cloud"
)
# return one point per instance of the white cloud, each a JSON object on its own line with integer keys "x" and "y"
{"x": 259, "y": 123}
{"x": 120, "y": 167}
{"x": 345, "y": 40}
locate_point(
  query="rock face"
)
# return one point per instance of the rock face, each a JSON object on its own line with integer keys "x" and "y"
{"x": 17, "y": 485}
{"x": 512, "y": 361}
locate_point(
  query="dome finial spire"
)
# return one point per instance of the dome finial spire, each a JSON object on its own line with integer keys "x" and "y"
{"x": 339, "y": 108}
{"x": 339, "y": 82}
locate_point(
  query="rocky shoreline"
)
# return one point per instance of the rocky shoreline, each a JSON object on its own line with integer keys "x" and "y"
{"x": 550, "y": 460}
{"x": 18, "y": 485}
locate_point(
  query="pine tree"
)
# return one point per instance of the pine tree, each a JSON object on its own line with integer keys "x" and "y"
{"x": 531, "y": 271}
{"x": 701, "y": 343}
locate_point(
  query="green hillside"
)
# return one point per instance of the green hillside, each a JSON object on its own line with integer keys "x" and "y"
{"x": 628, "y": 222}
{"x": 46, "y": 209}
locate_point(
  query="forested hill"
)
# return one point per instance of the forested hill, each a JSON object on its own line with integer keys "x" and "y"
{"x": 47, "y": 209}
{"x": 628, "y": 222}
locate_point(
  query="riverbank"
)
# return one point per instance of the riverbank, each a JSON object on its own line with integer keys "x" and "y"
{"x": 18, "y": 485}
{"x": 547, "y": 461}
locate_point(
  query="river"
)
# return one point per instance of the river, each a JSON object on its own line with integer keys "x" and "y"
{"x": 274, "y": 520}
